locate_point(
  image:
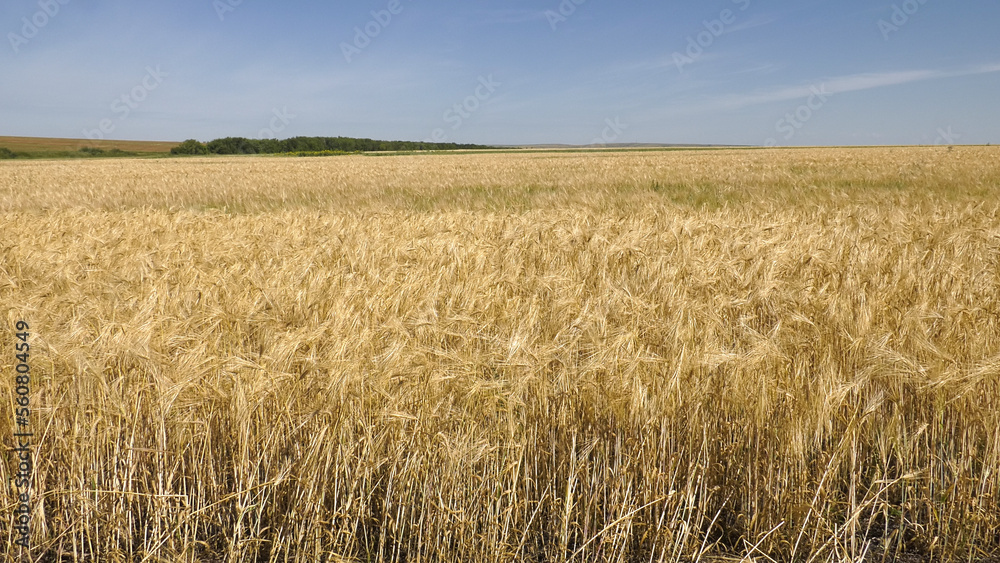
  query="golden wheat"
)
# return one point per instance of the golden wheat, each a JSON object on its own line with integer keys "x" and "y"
{"x": 654, "y": 356}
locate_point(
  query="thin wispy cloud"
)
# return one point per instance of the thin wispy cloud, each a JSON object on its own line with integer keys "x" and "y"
{"x": 751, "y": 23}
{"x": 835, "y": 85}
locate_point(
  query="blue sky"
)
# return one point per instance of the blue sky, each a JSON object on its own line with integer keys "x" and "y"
{"x": 808, "y": 72}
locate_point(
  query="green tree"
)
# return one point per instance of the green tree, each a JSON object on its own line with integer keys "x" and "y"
{"x": 190, "y": 146}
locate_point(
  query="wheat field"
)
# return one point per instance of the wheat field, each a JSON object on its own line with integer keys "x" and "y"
{"x": 767, "y": 355}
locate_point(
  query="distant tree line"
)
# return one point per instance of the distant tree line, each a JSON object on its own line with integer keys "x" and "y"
{"x": 332, "y": 145}
{"x": 6, "y": 153}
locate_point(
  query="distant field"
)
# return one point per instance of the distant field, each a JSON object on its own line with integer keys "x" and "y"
{"x": 777, "y": 355}
{"x": 40, "y": 144}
